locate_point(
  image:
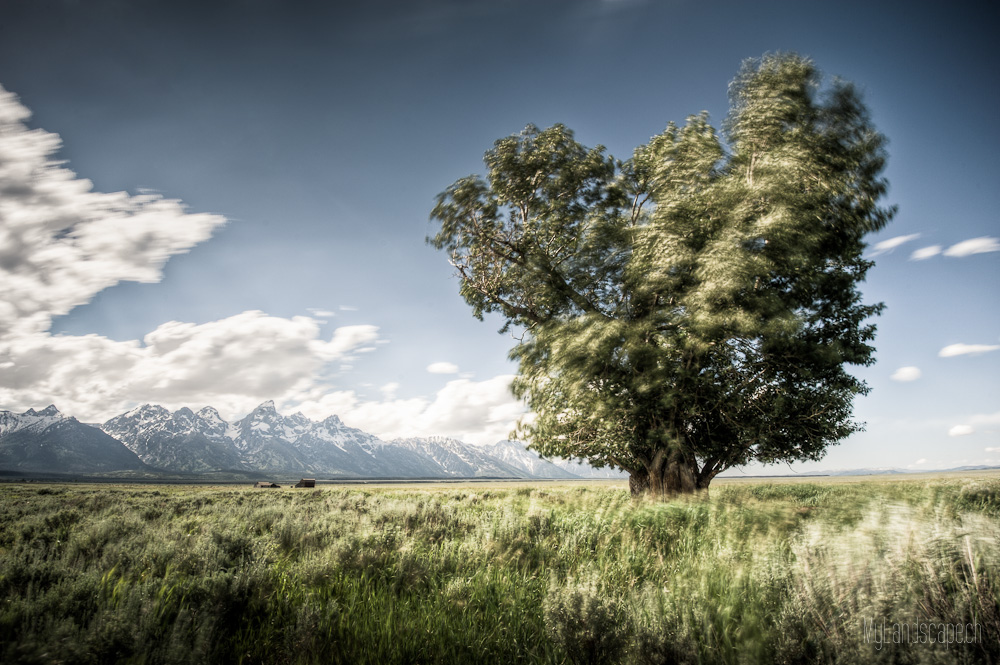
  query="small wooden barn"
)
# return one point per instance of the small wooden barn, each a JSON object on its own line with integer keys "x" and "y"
{"x": 306, "y": 482}
{"x": 265, "y": 483}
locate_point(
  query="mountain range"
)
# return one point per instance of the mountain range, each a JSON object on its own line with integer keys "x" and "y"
{"x": 153, "y": 439}
{"x": 46, "y": 441}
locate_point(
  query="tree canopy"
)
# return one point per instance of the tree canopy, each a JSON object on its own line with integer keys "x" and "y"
{"x": 692, "y": 308}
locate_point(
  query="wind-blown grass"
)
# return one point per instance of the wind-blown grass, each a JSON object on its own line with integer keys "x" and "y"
{"x": 753, "y": 573}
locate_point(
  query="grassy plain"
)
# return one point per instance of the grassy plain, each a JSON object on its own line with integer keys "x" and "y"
{"x": 759, "y": 571}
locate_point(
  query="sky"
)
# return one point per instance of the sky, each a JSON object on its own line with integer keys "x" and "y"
{"x": 225, "y": 202}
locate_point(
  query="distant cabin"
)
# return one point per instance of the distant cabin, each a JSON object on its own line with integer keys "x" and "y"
{"x": 306, "y": 482}
{"x": 264, "y": 483}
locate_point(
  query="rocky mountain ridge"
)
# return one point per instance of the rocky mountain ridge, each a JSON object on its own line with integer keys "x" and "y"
{"x": 48, "y": 441}
{"x": 265, "y": 441}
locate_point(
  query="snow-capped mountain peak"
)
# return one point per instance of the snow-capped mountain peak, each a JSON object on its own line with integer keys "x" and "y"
{"x": 50, "y": 410}
{"x": 265, "y": 409}
{"x": 29, "y": 420}
{"x": 266, "y": 441}
{"x": 47, "y": 440}
{"x": 209, "y": 413}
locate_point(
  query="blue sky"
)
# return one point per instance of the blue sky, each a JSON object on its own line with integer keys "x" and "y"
{"x": 308, "y": 141}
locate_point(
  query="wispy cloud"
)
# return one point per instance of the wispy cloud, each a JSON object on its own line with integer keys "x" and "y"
{"x": 974, "y": 246}
{"x": 905, "y": 374}
{"x": 925, "y": 253}
{"x": 962, "y": 249}
{"x": 891, "y": 244}
{"x": 960, "y": 349}
{"x": 987, "y": 418}
{"x": 345, "y": 339}
{"x": 442, "y": 368}
{"x": 961, "y": 430}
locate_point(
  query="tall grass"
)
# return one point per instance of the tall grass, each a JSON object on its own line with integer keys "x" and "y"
{"x": 757, "y": 573}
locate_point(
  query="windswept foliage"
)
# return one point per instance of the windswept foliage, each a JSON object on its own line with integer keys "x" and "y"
{"x": 694, "y": 307}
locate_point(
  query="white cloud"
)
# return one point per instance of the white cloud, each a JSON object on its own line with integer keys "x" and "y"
{"x": 960, "y": 349}
{"x": 891, "y": 244}
{"x": 925, "y": 253}
{"x": 992, "y": 450}
{"x": 965, "y": 248}
{"x": 976, "y": 423}
{"x": 974, "y": 246}
{"x": 321, "y": 313}
{"x": 476, "y": 412}
{"x": 922, "y": 460}
{"x": 906, "y": 374}
{"x": 465, "y": 406}
{"x": 442, "y": 368}
{"x": 346, "y": 338}
{"x": 61, "y": 243}
{"x": 232, "y": 364}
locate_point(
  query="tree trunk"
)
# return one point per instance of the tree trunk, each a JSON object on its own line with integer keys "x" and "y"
{"x": 638, "y": 482}
{"x": 669, "y": 475}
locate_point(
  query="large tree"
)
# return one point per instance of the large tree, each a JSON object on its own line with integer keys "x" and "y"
{"x": 692, "y": 308}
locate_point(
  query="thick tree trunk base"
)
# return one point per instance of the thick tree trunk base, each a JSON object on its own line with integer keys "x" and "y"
{"x": 675, "y": 479}
{"x": 638, "y": 483}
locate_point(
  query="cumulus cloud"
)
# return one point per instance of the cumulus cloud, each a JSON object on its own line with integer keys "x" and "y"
{"x": 891, "y": 244}
{"x": 60, "y": 242}
{"x": 925, "y": 253}
{"x": 905, "y": 374}
{"x": 977, "y": 423}
{"x": 477, "y": 412}
{"x": 974, "y": 246}
{"x": 960, "y": 349}
{"x": 232, "y": 364}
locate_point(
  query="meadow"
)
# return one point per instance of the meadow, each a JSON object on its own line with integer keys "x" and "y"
{"x": 755, "y": 572}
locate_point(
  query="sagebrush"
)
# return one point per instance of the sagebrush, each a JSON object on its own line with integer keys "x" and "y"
{"x": 753, "y": 573}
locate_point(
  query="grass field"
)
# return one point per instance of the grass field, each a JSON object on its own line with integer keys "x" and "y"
{"x": 826, "y": 571}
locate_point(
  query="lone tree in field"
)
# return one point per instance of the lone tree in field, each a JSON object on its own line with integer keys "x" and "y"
{"x": 694, "y": 307}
